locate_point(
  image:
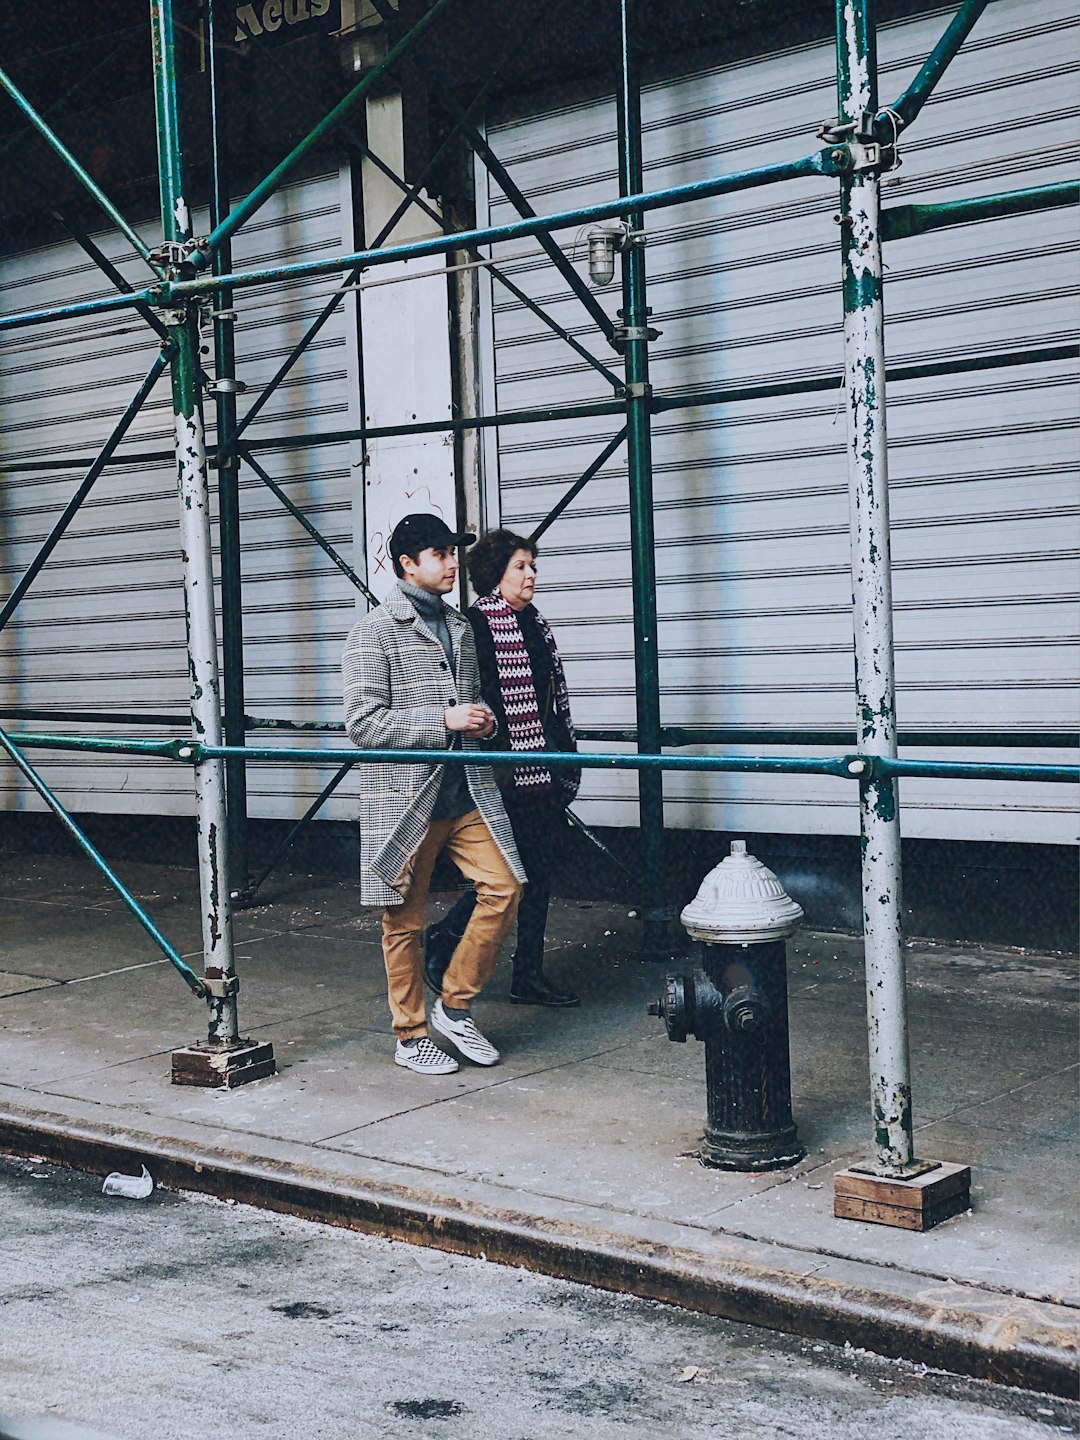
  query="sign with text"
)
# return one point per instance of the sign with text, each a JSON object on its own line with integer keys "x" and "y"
{"x": 267, "y": 21}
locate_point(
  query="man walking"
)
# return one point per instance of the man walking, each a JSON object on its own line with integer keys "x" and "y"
{"x": 411, "y": 683}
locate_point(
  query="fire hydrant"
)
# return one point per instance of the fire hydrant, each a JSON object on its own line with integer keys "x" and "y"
{"x": 738, "y": 1005}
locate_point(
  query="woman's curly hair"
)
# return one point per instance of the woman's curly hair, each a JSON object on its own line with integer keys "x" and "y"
{"x": 488, "y": 558}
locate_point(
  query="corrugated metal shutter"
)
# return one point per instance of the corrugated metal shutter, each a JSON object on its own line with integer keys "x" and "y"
{"x": 102, "y": 628}
{"x": 751, "y": 499}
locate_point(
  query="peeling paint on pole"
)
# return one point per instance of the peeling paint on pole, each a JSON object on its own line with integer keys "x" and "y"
{"x": 864, "y": 364}
{"x": 193, "y": 493}
{"x": 209, "y": 775}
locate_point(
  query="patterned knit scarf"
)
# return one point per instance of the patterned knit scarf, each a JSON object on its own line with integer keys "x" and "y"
{"x": 524, "y": 722}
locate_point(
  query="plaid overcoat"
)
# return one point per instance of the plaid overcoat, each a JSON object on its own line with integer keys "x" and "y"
{"x": 397, "y": 685}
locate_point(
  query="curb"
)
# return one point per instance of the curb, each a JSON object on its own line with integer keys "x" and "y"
{"x": 1007, "y": 1346}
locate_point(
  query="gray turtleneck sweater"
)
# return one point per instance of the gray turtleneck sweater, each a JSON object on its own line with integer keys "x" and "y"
{"x": 453, "y": 798}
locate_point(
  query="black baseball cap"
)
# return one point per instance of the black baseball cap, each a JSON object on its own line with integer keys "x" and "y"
{"x": 424, "y": 532}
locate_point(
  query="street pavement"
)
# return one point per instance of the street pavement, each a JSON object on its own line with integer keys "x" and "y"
{"x": 577, "y": 1154}
{"x": 180, "y": 1316}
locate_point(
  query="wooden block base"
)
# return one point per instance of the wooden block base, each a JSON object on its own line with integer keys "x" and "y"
{"x": 222, "y": 1069}
{"x": 917, "y": 1204}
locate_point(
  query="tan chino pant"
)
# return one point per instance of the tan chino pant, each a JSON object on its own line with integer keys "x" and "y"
{"x": 468, "y": 842}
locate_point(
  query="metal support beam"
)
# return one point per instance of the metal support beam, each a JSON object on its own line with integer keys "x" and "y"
{"x": 83, "y": 176}
{"x": 172, "y": 292}
{"x": 843, "y": 767}
{"x": 875, "y": 685}
{"x": 725, "y": 395}
{"x": 579, "y": 484}
{"x": 299, "y": 516}
{"x": 194, "y": 497}
{"x": 97, "y": 465}
{"x": 908, "y": 105}
{"x": 32, "y": 777}
{"x": 305, "y": 819}
{"x": 109, "y": 270}
{"x": 656, "y": 906}
{"x": 228, "y": 473}
{"x": 900, "y": 221}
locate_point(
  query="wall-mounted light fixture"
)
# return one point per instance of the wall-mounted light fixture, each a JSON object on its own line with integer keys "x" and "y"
{"x": 603, "y": 242}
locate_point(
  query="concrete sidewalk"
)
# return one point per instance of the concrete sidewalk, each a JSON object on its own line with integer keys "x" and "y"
{"x": 576, "y": 1155}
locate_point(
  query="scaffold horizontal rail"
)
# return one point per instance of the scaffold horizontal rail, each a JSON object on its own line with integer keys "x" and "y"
{"x": 818, "y": 164}
{"x": 849, "y": 766}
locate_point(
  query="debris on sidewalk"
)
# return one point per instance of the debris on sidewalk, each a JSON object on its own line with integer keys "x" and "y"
{"x": 130, "y": 1187}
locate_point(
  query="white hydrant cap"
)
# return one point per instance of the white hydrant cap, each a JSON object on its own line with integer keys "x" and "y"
{"x": 741, "y": 902}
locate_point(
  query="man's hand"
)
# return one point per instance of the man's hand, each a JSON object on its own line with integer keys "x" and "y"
{"x": 469, "y": 719}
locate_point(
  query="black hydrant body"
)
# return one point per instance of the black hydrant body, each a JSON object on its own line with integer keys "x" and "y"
{"x": 738, "y": 1006}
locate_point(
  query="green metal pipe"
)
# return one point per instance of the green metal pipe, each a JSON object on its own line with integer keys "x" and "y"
{"x": 193, "y": 494}
{"x": 579, "y": 484}
{"x": 848, "y": 766}
{"x": 101, "y": 864}
{"x": 656, "y": 906}
{"x": 820, "y": 163}
{"x": 325, "y": 128}
{"x": 299, "y": 516}
{"x": 674, "y": 736}
{"x": 228, "y": 473}
{"x": 908, "y": 105}
{"x": 83, "y": 176}
{"x": 71, "y": 509}
{"x": 305, "y": 819}
{"x": 976, "y": 770}
{"x": 435, "y": 427}
{"x": 724, "y": 395}
{"x": 105, "y": 745}
{"x": 195, "y": 753}
{"x": 109, "y": 270}
{"x": 1040, "y": 355}
{"x": 904, "y": 220}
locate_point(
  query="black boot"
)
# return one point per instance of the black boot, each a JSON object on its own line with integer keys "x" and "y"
{"x": 441, "y": 939}
{"x": 532, "y": 987}
{"x": 439, "y": 947}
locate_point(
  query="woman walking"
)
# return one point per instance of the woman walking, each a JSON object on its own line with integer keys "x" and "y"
{"x": 522, "y": 680}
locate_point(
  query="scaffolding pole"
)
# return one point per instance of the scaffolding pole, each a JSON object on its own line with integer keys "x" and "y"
{"x": 228, "y": 472}
{"x": 194, "y": 497}
{"x": 875, "y": 685}
{"x": 634, "y": 332}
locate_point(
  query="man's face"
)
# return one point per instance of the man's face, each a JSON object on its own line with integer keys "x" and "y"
{"x": 433, "y": 570}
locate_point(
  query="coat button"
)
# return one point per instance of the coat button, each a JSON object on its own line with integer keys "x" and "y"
{"x": 443, "y": 665}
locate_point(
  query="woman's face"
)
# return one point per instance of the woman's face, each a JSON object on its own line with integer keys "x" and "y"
{"x": 519, "y": 580}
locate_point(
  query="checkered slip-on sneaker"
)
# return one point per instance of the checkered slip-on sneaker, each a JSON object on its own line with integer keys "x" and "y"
{"x": 424, "y": 1057}
{"x": 464, "y": 1036}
